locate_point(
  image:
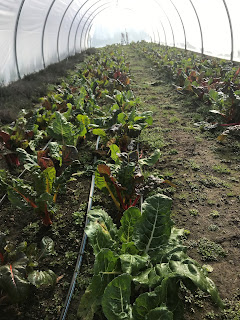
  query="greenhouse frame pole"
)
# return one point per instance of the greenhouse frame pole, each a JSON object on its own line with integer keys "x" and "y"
{"x": 15, "y": 38}
{"x": 88, "y": 20}
{"x": 70, "y": 29}
{"x": 173, "y": 36}
{"x": 43, "y": 32}
{"x": 231, "y": 28}
{"x": 89, "y": 27}
{"x": 59, "y": 29}
{"x": 180, "y": 17}
{"x": 75, "y": 38}
{"x": 200, "y": 27}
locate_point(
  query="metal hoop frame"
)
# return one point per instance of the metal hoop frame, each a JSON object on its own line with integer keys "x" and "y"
{"x": 89, "y": 28}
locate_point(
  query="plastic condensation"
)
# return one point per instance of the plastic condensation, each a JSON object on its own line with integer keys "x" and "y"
{"x": 36, "y": 33}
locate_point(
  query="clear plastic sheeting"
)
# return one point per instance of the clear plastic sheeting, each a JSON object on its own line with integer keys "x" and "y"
{"x": 34, "y": 33}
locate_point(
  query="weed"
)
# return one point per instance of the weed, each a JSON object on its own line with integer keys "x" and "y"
{"x": 153, "y": 138}
{"x": 173, "y": 151}
{"x": 213, "y": 227}
{"x": 193, "y": 212}
{"x": 221, "y": 169}
{"x": 209, "y": 250}
{"x": 193, "y": 165}
{"x": 214, "y": 214}
{"x": 173, "y": 120}
{"x": 198, "y": 139}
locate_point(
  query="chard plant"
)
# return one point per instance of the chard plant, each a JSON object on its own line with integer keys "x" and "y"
{"x": 139, "y": 267}
{"x": 47, "y": 181}
{"x": 19, "y": 268}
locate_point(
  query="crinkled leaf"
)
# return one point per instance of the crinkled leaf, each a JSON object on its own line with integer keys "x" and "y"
{"x": 114, "y": 151}
{"x": 42, "y": 278}
{"x": 116, "y": 298}
{"x": 154, "y": 227}
{"x": 106, "y": 261}
{"x": 29, "y": 160}
{"x": 150, "y": 161}
{"x": 144, "y": 304}
{"x": 128, "y": 221}
{"x": 91, "y": 300}
{"x": 101, "y": 230}
{"x": 133, "y": 263}
{"x": 54, "y": 151}
{"x": 160, "y": 313}
{"x": 21, "y": 195}
{"x": 99, "y": 132}
{"x": 50, "y": 177}
{"x": 47, "y": 247}
{"x": 148, "y": 278}
{"x": 13, "y": 280}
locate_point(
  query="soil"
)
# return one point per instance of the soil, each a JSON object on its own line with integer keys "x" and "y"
{"x": 205, "y": 201}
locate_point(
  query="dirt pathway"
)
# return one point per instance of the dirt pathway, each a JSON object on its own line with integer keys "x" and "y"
{"x": 207, "y": 197}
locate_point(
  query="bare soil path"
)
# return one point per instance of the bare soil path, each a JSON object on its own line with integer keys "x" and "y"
{"x": 206, "y": 200}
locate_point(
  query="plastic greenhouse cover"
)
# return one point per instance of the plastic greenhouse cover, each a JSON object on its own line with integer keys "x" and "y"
{"x": 36, "y": 33}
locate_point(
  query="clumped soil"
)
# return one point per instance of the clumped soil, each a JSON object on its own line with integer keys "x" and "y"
{"x": 205, "y": 201}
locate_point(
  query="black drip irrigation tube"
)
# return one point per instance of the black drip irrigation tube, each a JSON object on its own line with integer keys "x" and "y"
{"x": 83, "y": 244}
{"x": 81, "y": 250}
{"x": 21, "y": 174}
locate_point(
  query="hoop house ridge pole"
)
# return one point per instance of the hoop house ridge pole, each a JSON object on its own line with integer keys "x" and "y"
{"x": 43, "y": 32}
{"x": 15, "y": 37}
{"x": 231, "y": 28}
{"x": 88, "y": 20}
{"x": 180, "y": 17}
{"x": 200, "y": 27}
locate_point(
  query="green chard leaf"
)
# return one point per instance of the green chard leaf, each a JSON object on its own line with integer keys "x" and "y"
{"x": 150, "y": 161}
{"x": 101, "y": 230}
{"x": 153, "y": 229}
{"x": 42, "y": 278}
{"x": 116, "y": 298}
{"x": 160, "y": 313}
{"x": 144, "y": 304}
{"x": 132, "y": 264}
{"x": 128, "y": 221}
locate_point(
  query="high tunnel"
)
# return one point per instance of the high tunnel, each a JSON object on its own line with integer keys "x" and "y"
{"x": 37, "y": 33}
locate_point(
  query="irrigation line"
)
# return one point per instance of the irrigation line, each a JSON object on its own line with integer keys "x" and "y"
{"x": 82, "y": 248}
{"x": 21, "y": 174}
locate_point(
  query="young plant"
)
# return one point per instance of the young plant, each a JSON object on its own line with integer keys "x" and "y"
{"x": 138, "y": 268}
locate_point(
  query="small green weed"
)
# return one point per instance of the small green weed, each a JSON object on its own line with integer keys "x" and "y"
{"x": 193, "y": 212}
{"x": 173, "y": 120}
{"x": 214, "y": 214}
{"x": 209, "y": 250}
{"x": 221, "y": 169}
{"x": 213, "y": 227}
{"x": 193, "y": 165}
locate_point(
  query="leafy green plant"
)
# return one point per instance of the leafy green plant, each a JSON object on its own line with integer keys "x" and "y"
{"x": 138, "y": 267}
{"x": 125, "y": 185}
{"x": 40, "y": 193}
{"x": 18, "y": 268}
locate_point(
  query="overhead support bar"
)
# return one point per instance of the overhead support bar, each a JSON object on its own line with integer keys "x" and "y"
{"x": 231, "y": 28}
{"x": 200, "y": 27}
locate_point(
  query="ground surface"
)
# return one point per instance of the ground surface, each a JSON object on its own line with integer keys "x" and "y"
{"x": 206, "y": 202}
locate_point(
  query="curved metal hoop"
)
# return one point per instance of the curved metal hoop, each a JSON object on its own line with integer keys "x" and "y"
{"x": 180, "y": 17}
{"x": 200, "y": 27}
{"x": 59, "y": 29}
{"x": 88, "y": 20}
{"x": 15, "y": 38}
{"x": 75, "y": 39}
{"x": 173, "y": 36}
{"x": 43, "y": 32}
{"x": 231, "y": 28}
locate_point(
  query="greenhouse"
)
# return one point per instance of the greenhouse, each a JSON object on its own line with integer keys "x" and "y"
{"x": 119, "y": 159}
